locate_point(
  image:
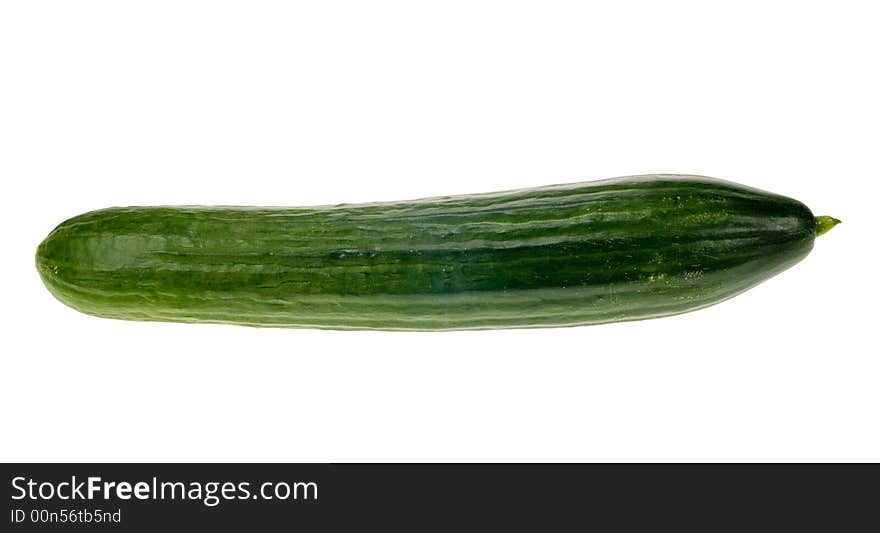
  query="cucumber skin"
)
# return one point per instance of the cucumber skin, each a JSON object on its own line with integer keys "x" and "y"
{"x": 627, "y": 248}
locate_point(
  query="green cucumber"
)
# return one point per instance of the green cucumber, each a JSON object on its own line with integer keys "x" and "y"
{"x": 565, "y": 255}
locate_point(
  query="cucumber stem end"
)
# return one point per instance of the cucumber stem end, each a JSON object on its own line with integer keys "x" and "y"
{"x": 824, "y": 224}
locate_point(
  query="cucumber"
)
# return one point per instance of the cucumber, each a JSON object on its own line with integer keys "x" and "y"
{"x": 565, "y": 255}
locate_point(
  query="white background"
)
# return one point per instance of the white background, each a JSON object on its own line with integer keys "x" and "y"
{"x": 277, "y": 103}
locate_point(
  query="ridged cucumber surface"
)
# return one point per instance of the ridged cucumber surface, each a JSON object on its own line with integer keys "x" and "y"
{"x": 565, "y": 255}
